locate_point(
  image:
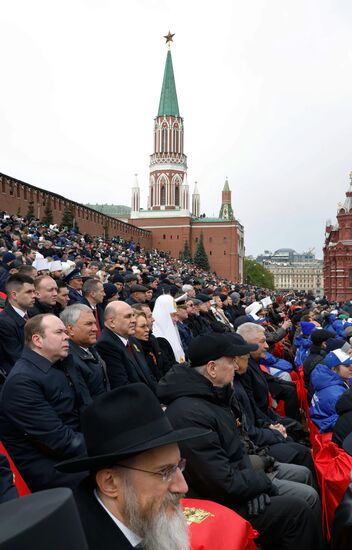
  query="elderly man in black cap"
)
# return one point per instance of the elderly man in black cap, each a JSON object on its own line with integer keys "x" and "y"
{"x": 137, "y": 295}
{"x": 132, "y": 497}
{"x": 218, "y": 468}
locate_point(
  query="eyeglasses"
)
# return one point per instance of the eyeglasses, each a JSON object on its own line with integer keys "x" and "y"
{"x": 166, "y": 475}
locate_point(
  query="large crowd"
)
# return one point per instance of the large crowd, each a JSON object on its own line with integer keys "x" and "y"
{"x": 134, "y": 378}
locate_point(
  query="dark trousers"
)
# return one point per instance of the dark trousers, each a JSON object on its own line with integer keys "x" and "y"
{"x": 293, "y": 453}
{"x": 287, "y": 524}
{"x": 288, "y": 394}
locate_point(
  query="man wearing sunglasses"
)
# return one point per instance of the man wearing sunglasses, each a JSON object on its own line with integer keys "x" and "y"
{"x": 132, "y": 496}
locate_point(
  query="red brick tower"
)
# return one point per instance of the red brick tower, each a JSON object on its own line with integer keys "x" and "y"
{"x": 168, "y": 163}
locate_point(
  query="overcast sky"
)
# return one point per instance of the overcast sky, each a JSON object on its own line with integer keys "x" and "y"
{"x": 264, "y": 86}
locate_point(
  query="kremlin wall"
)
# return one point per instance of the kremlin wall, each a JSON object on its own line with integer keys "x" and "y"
{"x": 171, "y": 220}
{"x": 16, "y": 195}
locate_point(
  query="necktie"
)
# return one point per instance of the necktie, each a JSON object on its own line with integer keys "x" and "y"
{"x": 95, "y": 311}
{"x": 130, "y": 349}
{"x": 25, "y": 316}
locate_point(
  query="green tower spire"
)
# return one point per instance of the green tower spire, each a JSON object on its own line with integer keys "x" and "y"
{"x": 226, "y": 186}
{"x": 168, "y": 104}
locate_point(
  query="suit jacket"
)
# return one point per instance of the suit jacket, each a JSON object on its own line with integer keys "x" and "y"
{"x": 11, "y": 337}
{"x": 122, "y": 366}
{"x": 92, "y": 368}
{"x": 39, "y": 308}
{"x": 100, "y": 530}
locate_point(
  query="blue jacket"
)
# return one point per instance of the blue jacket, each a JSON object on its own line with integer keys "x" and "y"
{"x": 303, "y": 345}
{"x": 328, "y": 387}
{"x": 276, "y": 362}
{"x": 339, "y": 328}
{"x": 40, "y": 407}
{"x": 330, "y": 320}
{"x": 75, "y": 296}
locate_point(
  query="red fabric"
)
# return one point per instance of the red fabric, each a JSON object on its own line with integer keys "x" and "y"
{"x": 21, "y": 486}
{"x": 223, "y": 530}
{"x": 333, "y": 466}
{"x": 280, "y": 408}
{"x": 270, "y": 399}
{"x": 298, "y": 379}
{"x": 278, "y": 350}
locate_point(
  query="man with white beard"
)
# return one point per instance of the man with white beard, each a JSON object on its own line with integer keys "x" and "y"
{"x": 131, "y": 499}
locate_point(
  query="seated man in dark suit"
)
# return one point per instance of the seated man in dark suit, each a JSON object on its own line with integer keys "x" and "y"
{"x": 258, "y": 384}
{"x": 93, "y": 296}
{"x": 132, "y": 497}
{"x": 20, "y": 297}
{"x": 124, "y": 359}
{"x": 81, "y": 327}
{"x": 40, "y": 406}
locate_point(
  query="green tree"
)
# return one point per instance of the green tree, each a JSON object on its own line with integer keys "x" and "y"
{"x": 186, "y": 253}
{"x": 200, "y": 256}
{"x": 67, "y": 217}
{"x": 30, "y": 212}
{"x": 48, "y": 217}
{"x": 257, "y": 275}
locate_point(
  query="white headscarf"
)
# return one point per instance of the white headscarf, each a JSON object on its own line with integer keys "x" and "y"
{"x": 163, "y": 326}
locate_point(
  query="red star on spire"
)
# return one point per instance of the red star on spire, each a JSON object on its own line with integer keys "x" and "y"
{"x": 169, "y": 37}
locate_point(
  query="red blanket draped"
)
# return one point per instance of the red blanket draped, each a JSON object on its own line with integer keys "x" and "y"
{"x": 213, "y": 526}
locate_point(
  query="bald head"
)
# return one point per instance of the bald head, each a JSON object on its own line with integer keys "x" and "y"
{"x": 119, "y": 318}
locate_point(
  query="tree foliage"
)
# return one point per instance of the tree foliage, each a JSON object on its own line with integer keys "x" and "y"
{"x": 30, "y": 212}
{"x": 48, "y": 217}
{"x": 186, "y": 255}
{"x": 257, "y": 275}
{"x": 200, "y": 257}
{"x": 67, "y": 217}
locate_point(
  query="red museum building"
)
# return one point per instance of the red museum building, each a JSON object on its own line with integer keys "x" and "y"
{"x": 338, "y": 252}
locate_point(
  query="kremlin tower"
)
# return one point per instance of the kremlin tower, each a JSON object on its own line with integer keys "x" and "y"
{"x": 170, "y": 217}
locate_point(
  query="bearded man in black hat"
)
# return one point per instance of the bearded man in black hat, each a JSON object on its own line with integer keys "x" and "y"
{"x": 132, "y": 497}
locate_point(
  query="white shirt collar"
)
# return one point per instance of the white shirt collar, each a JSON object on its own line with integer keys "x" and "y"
{"x": 123, "y": 340}
{"x": 130, "y": 535}
{"x": 19, "y": 311}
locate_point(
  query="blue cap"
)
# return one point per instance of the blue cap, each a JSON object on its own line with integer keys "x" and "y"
{"x": 307, "y": 327}
{"x": 336, "y": 358}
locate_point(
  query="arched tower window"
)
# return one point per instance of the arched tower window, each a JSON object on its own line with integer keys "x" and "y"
{"x": 177, "y": 195}
{"x": 164, "y": 140}
{"x": 162, "y": 195}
